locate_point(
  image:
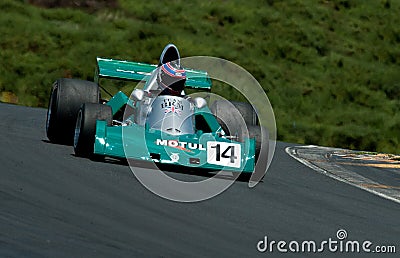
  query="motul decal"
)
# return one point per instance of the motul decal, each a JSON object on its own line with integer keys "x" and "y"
{"x": 186, "y": 146}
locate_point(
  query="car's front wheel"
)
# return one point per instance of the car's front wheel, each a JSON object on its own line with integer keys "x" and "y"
{"x": 85, "y": 127}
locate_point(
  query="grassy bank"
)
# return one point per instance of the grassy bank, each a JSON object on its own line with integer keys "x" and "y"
{"x": 330, "y": 68}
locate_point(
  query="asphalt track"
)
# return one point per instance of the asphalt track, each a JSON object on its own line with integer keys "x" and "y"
{"x": 53, "y": 204}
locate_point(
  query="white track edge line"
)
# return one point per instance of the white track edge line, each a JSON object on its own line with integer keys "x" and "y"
{"x": 292, "y": 152}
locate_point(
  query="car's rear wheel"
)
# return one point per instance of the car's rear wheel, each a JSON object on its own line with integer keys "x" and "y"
{"x": 239, "y": 119}
{"x": 85, "y": 127}
{"x": 229, "y": 117}
{"x": 247, "y": 111}
{"x": 66, "y": 97}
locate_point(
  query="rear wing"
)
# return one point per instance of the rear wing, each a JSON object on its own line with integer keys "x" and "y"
{"x": 127, "y": 70}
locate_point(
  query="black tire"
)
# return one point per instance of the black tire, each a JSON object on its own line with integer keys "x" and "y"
{"x": 234, "y": 116}
{"x": 66, "y": 98}
{"x": 85, "y": 127}
{"x": 239, "y": 119}
{"x": 247, "y": 111}
{"x": 261, "y": 136}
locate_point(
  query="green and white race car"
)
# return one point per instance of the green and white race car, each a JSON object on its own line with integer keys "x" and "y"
{"x": 157, "y": 123}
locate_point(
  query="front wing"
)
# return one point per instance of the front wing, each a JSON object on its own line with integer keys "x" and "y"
{"x": 202, "y": 150}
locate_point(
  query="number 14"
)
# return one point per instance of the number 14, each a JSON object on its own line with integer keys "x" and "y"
{"x": 224, "y": 154}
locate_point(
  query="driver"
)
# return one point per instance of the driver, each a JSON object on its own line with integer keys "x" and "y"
{"x": 167, "y": 79}
{"x": 171, "y": 79}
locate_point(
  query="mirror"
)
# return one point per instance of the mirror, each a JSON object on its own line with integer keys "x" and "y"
{"x": 200, "y": 102}
{"x": 137, "y": 94}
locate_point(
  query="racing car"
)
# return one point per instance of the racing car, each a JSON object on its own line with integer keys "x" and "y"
{"x": 153, "y": 124}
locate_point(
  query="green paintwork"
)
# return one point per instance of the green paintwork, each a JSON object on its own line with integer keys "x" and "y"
{"x": 117, "y": 101}
{"x": 153, "y": 145}
{"x": 141, "y": 143}
{"x": 127, "y": 70}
